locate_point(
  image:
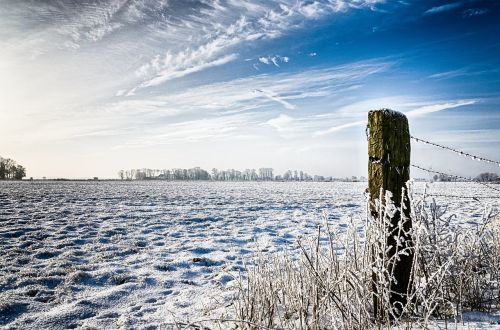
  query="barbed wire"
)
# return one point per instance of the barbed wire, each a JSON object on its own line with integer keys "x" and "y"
{"x": 454, "y": 176}
{"x": 462, "y": 153}
{"x": 460, "y": 196}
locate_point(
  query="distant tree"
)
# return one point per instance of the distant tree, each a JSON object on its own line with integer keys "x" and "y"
{"x": 3, "y": 170}
{"x": 140, "y": 174}
{"x": 487, "y": 177}
{"x": 19, "y": 172}
{"x": 444, "y": 178}
{"x": 10, "y": 165}
{"x": 198, "y": 174}
{"x": 9, "y": 169}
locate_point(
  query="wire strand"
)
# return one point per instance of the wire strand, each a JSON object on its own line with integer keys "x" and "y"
{"x": 454, "y": 176}
{"x": 463, "y": 153}
{"x": 460, "y": 196}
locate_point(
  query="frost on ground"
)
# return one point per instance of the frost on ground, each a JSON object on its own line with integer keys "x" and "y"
{"x": 147, "y": 254}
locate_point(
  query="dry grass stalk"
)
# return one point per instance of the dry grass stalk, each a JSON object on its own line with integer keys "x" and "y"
{"x": 330, "y": 284}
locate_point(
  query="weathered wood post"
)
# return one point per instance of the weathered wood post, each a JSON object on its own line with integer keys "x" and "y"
{"x": 389, "y": 170}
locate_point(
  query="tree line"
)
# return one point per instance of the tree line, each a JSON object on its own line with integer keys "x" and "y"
{"x": 483, "y": 177}
{"x": 197, "y": 173}
{"x": 10, "y": 170}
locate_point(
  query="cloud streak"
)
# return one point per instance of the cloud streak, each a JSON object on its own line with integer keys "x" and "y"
{"x": 193, "y": 131}
{"x": 443, "y": 8}
{"x": 276, "y": 98}
{"x": 256, "y": 92}
{"x": 255, "y": 96}
{"x": 438, "y": 107}
{"x": 340, "y": 128}
{"x": 185, "y": 67}
{"x": 275, "y": 60}
{"x": 254, "y": 21}
{"x": 415, "y": 113}
{"x": 161, "y": 40}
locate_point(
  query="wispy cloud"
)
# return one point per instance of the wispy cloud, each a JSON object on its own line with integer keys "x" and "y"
{"x": 465, "y": 71}
{"x": 302, "y": 127}
{"x": 159, "y": 40}
{"x": 275, "y": 97}
{"x": 255, "y": 92}
{"x": 225, "y": 31}
{"x": 340, "y": 128}
{"x": 275, "y": 60}
{"x": 439, "y": 107}
{"x": 185, "y": 66}
{"x": 396, "y": 103}
{"x": 198, "y": 130}
{"x": 474, "y": 12}
{"x": 281, "y": 123}
{"x": 443, "y": 8}
{"x": 449, "y": 74}
{"x": 477, "y": 136}
{"x": 255, "y": 96}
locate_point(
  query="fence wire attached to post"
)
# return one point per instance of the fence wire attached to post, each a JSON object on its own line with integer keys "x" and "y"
{"x": 462, "y": 153}
{"x": 477, "y": 198}
{"x": 454, "y": 176}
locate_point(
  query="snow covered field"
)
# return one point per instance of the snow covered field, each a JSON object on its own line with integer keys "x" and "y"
{"x": 143, "y": 254}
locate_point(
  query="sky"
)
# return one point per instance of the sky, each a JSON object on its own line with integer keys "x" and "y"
{"x": 91, "y": 87}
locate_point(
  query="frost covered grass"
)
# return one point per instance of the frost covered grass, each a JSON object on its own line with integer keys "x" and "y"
{"x": 330, "y": 284}
{"x": 161, "y": 255}
{"x": 141, "y": 255}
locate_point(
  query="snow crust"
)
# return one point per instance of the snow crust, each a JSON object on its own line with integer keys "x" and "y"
{"x": 142, "y": 255}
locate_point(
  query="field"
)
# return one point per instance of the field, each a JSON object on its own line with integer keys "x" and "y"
{"x": 146, "y": 254}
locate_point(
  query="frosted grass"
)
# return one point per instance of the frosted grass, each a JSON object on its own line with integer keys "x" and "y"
{"x": 146, "y": 254}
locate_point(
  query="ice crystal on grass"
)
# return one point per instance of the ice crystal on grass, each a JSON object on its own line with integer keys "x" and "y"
{"x": 455, "y": 269}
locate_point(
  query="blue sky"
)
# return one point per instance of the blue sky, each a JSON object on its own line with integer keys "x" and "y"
{"x": 88, "y": 88}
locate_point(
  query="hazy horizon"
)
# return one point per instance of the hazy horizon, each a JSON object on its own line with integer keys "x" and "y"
{"x": 87, "y": 89}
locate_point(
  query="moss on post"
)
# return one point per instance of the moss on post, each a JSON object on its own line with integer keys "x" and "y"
{"x": 389, "y": 170}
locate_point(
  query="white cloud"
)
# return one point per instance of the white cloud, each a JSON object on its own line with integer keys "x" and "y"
{"x": 198, "y": 130}
{"x": 340, "y": 128}
{"x": 254, "y": 97}
{"x": 185, "y": 67}
{"x": 256, "y": 92}
{"x": 275, "y": 60}
{"x": 359, "y": 109}
{"x": 362, "y": 107}
{"x": 280, "y": 123}
{"x": 264, "y": 60}
{"x": 275, "y": 97}
{"x": 449, "y": 74}
{"x": 313, "y": 9}
{"x": 443, "y": 8}
{"x": 474, "y": 12}
{"x": 465, "y": 71}
{"x": 160, "y": 40}
{"x": 438, "y": 107}
{"x": 225, "y": 31}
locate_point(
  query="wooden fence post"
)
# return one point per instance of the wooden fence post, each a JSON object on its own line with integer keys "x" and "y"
{"x": 389, "y": 170}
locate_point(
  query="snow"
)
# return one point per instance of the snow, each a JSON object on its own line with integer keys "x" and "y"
{"x": 472, "y": 320}
{"x": 146, "y": 254}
